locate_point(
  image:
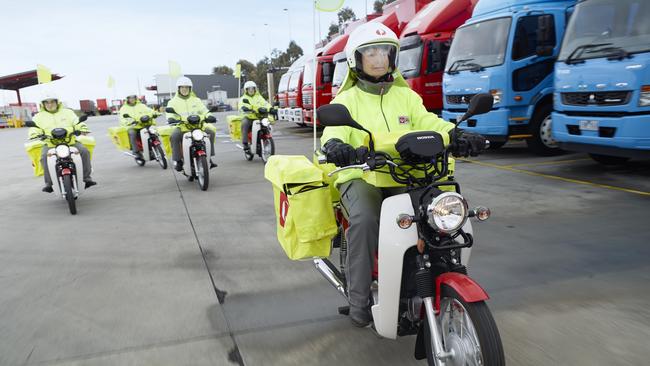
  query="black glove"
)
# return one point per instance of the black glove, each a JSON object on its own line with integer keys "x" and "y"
{"x": 210, "y": 119}
{"x": 339, "y": 153}
{"x": 246, "y": 109}
{"x": 466, "y": 143}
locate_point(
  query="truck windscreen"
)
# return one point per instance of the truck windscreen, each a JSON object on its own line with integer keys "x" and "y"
{"x": 607, "y": 28}
{"x": 340, "y": 70}
{"x": 409, "y": 61}
{"x": 479, "y": 45}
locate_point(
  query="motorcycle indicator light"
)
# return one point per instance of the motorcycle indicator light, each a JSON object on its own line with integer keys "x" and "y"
{"x": 404, "y": 221}
{"x": 197, "y": 135}
{"x": 62, "y": 151}
{"x": 447, "y": 212}
{"x": 481, "y": 213}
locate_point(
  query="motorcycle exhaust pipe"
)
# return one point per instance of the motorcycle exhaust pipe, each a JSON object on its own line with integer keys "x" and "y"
{"x": 327, "y": 270}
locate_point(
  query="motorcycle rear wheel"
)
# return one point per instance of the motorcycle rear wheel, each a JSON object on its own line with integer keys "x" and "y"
{"x": 69, "y": 194}
{"x": 468, "y": 329}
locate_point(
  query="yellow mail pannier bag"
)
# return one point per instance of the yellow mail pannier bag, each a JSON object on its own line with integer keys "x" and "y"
{"x": 234, "y": 127}
{"x": 120, "y": 137}
{"x": 303, "y": 206}
{"x": 34, "y": 148}
{"x": 165, "y": 133}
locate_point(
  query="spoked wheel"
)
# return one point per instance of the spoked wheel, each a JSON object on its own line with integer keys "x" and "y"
{"x": 69, "y": 194}
{"x": 267, "y": 148}
{"x": 468, "y": 331}
{"x": 159, "y": 154}
{"x": 202, "y": 174}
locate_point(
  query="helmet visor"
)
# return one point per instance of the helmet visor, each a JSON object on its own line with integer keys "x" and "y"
{"x": 377, "y": 59}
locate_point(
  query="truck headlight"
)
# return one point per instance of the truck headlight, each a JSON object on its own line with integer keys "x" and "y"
{"x": 496, "y": 94}
{"x": 447, "y": 212}
{"x": 644, "y": 98}
{"x": 197, "y": 135}
{"x": 62, "y": 151}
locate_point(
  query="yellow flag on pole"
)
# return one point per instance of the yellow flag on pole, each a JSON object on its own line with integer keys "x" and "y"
{"x": 174, "y": 69}
{"x": 43, "y": 74}
{"x": 238, "y": 71}
{"x": 111, "y": 82}
{"x": 328, "y": 5}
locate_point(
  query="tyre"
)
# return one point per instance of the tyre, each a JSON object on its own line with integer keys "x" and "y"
{"x": 542, "y": 142}
{"x": 468, "y": 329}
{"x": 159, "y": 153}
{"x": 69, "y": 194}
{"x": 267, "y": 148}
{"x": 202, "y": 172}
{"x": 609, "y": 160}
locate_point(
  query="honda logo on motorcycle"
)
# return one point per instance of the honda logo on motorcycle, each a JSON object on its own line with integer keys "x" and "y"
{"x": 284, "y": 208}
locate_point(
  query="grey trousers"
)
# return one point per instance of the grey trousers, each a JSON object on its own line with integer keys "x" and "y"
{"x": 133, "y": 138}
{"x": 176, "y": 140}
{"x": 85, "y": 159}
{"x": 362, "y": 203}
{"x": 246, "y": 125}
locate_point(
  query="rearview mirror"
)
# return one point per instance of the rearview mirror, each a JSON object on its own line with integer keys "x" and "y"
{"x": 30, "y": 124}
{"x": 213, "y": 109}
{"x": 336, "y": 115}
{"x": 245, "y": 100}
{"x": 126, "y": 115}
{"x": 479, "y": 104}
{"x": 170, "y": 110}
{"x": 82, "y": 118}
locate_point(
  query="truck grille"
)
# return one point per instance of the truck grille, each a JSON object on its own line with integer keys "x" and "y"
{"x": 307, "y": 98}
{"x": 597, "y": 98}
{"x": 292, "y": 103}
{"x": 459, "y": 99}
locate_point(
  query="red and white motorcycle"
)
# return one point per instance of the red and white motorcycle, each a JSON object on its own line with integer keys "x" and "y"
{"x": 421, "y": 286}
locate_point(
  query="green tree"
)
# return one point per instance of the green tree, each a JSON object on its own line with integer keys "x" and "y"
{"x": 334, "y": 30}
{"x": 377, "y": 6}
{"x": 346, "y": 14}
{"x": 222, "y": 70}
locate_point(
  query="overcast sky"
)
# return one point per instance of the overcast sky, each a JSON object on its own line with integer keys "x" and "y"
{"x": 86, "y": 41}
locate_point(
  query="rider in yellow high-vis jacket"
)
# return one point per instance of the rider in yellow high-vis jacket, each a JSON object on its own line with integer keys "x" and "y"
{"x": 185, "y": 104}
{"x": 249, "y": 103}
{"x": 135, "y": 109}
{"x": 379, "y": 99}
{"x": 54, "y": 115}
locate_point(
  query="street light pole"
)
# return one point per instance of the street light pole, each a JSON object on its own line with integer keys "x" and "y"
{"x": 268, "y": 37}
{"x": 289, "y": 16}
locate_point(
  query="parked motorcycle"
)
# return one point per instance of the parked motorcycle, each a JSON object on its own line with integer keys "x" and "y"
{"x": 421, "y": 286}
{"x": 261, "y": 130}
{"x": 148, "y": 134}
{"x": 196, "y": 147}
{"x": 63, "y": 163}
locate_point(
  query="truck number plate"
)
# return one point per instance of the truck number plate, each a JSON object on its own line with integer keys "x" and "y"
{"x": 589, "y": 125}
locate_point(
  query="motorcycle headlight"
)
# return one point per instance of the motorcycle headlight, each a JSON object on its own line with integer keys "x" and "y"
{"x": 644, "y": 98}
{"x": 197, "y": 135}
{"x": 62, "y": 151}
{"x": 153, "y": 130}
{"x": 447, "y": 212}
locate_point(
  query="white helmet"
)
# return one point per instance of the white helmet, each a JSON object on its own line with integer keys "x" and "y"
{"x": 371, "y": 35}
{"x": 50, "y": 96}
{"x": 250, "y": 84}
{"x": 183, "y": 81}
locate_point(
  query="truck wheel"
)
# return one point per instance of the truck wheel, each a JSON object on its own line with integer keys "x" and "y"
{"x": 542, "y": 143}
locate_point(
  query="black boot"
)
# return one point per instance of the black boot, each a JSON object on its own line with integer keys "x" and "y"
{"x": 178, "y": 166}
{"x": 48, "y": 189}
{"x": 360, "y": 316}
{"x": 90, "y": 183}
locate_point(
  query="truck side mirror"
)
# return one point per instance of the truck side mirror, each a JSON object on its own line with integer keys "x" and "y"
{"x": 327, "y": 72}
{"x": 434, "y": 59}
{"x": 545, "y": 35}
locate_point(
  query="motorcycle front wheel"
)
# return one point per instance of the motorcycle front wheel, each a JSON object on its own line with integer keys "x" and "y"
{"x": 159, "y": 153}
{"x": 267, "y": 148}
{"x": 202, "y": 172}
{"x": 69, "y": 194}
{"x": 467, "y": 329}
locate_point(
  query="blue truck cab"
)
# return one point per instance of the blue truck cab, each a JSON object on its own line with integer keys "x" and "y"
{"x": 602, "y": 81}
{"x": 508, "y": 48}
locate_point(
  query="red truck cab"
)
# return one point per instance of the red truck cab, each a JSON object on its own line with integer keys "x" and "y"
{"x": 294, "y": 96}
{"x": 424, "y": 45}
{"x": 281, "y": 95}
